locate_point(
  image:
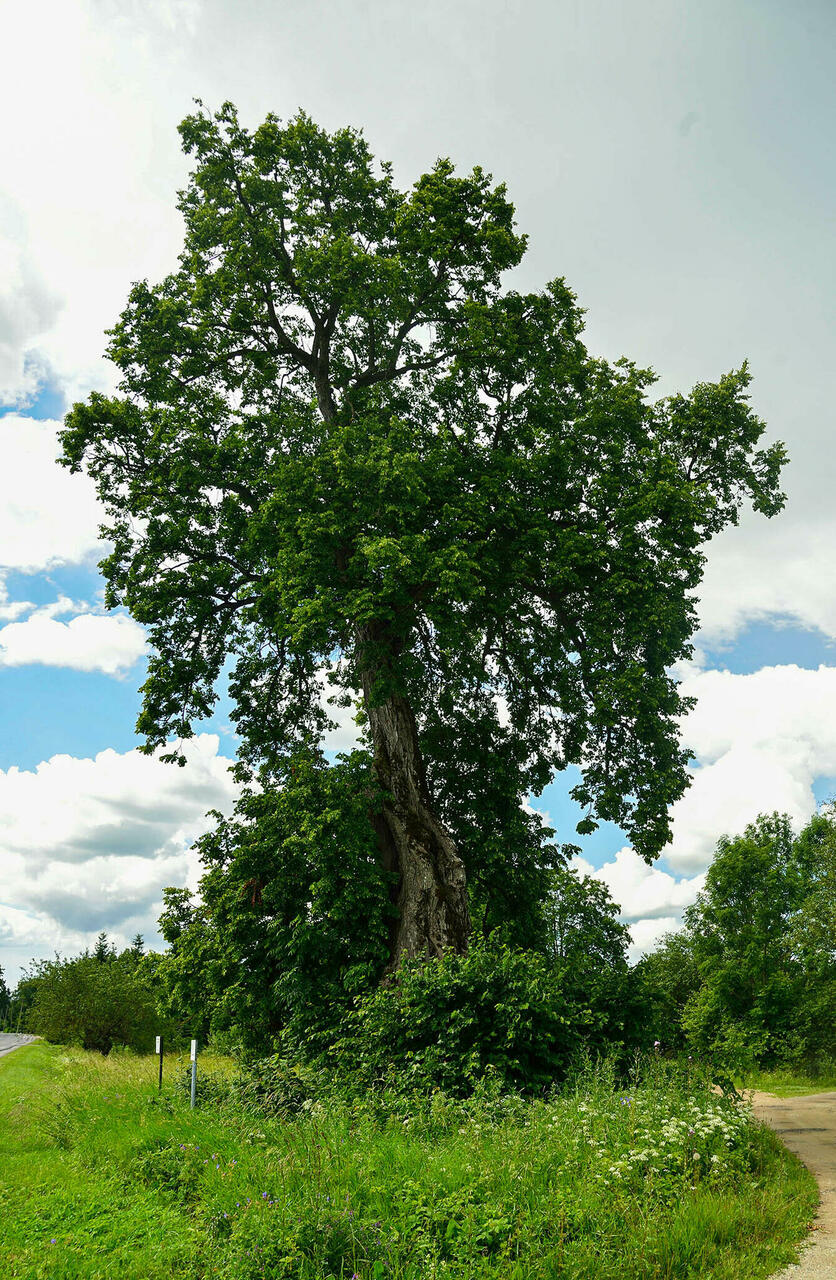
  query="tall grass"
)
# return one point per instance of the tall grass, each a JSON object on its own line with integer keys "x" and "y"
{"x": 792, "y": 1081}
{"x": 103, "y": 1177}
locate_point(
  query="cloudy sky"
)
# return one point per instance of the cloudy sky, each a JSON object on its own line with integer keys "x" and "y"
{"x": 672, "y": 160}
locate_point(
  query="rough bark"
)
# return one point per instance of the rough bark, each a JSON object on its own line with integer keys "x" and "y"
{"x": 433, "y": 915}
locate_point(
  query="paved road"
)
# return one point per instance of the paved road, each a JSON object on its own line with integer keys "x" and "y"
{"x": 808, "y": 1127}
{"x": 9, "y": 1042}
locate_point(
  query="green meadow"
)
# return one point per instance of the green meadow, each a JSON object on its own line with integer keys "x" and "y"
{"x": 104, "y": 1177}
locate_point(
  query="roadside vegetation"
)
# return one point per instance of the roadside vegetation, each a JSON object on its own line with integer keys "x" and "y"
{"x": 277, "y": 1175}
{"x": 443, "y": 1124}
{"x": 751, "y": 979}
{"x": 789, "y": 1082}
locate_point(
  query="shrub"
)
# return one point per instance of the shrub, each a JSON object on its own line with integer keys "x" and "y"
{"x": 279, "y": 1086}
{"x": 447, "y": 1023}
{"x": 92, "y": 1003}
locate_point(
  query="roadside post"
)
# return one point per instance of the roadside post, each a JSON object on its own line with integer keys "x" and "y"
{"x": 160, "y": 1053}
{"x": 194, "y": 1070}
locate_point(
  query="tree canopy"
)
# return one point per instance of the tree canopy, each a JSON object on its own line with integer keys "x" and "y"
{"x": 96, "y": 1000}
{"x": 344, "y": 456}
{"x": 753, "y": 974}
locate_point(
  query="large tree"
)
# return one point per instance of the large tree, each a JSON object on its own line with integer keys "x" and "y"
{"x": 341, "y": 448}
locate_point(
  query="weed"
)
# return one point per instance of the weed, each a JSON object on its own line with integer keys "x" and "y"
{"x": 102, "y": 1176}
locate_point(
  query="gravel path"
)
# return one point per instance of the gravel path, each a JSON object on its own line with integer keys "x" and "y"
{"x": 8, "y": 1042}
{"x": 808, "y": 1127}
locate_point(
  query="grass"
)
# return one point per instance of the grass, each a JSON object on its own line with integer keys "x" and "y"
{"x": 788, "y": 1082}
{"x": 102, "y": 1178}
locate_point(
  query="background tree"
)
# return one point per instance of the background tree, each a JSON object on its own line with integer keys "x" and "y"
{"x": 23, "y": 997}
{"x": 588, "y": 947}
{"x": 93, "y": 1002}
{"x": 752, "y": 976}
{"x": 4, "y": 998}
{"x": 340, "y": 449}
{"x": 738, "y": 928}
{"x": 664, "y": 981}
{"x": 103, "y": 950}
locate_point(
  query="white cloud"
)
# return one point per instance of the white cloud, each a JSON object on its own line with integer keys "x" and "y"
{"x": 34, "y": 931}
{"x": 89, "y": 642}
{"x": 89, "y": 844}
{"x": 56, "y": 608}
{"x": 645, "y": 892}
{"x": 11, "y": 609}
{"x": 48, "y": 517}
{"x": 784, "y": 569}
{"x": 651, "y": 900}
{"x": 28, "y": 309}
{"x": 647, "y": 934}
{"x": 101, "y": 96}
{"x": 761, "y": 741}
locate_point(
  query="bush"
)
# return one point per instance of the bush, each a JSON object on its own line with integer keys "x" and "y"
{"x": 96, "y": 1004}
{"x": 279, "y": 1086}
{"x": 448, "y": 1023}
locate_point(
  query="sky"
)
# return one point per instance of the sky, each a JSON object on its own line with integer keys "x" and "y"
{"x": 672, "y": 161}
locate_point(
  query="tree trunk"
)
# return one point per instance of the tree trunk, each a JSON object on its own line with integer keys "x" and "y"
{"x": 433, "y": 915}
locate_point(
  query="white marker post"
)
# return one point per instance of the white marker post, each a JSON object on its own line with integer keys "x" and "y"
{"x": 159, "y": 1051}
{"x": 194, "y": 1070}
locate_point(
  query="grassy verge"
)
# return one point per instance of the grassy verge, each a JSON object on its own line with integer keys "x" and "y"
{"x": 101, "y": 1178}
{"x": 786, "y": 1082}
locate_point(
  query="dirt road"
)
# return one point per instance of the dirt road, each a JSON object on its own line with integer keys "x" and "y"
{"x": 808, "y": 1127}
{"x": 9, "y": 1042}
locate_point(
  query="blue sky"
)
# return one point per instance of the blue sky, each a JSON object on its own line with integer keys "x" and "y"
{"x": 669, "y": 160}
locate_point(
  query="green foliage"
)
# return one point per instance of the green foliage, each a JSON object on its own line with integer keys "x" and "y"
{"x": 103, "y": 950}
{"x": 587, "y": 946}
{"x": 752, "y": 977}
{"x": 597, "y": 1181}
{"x": 447, "y": 1023}
{"x": 97, "y": 1001}
{"x": 175, "y": 1168}
{"x": 278, "y": 1086}
{"x": 664, "y": 981}
{"x": 340, "y": 447}
{"x": 293, "y": 916}
{"x": 5, "y": 998}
